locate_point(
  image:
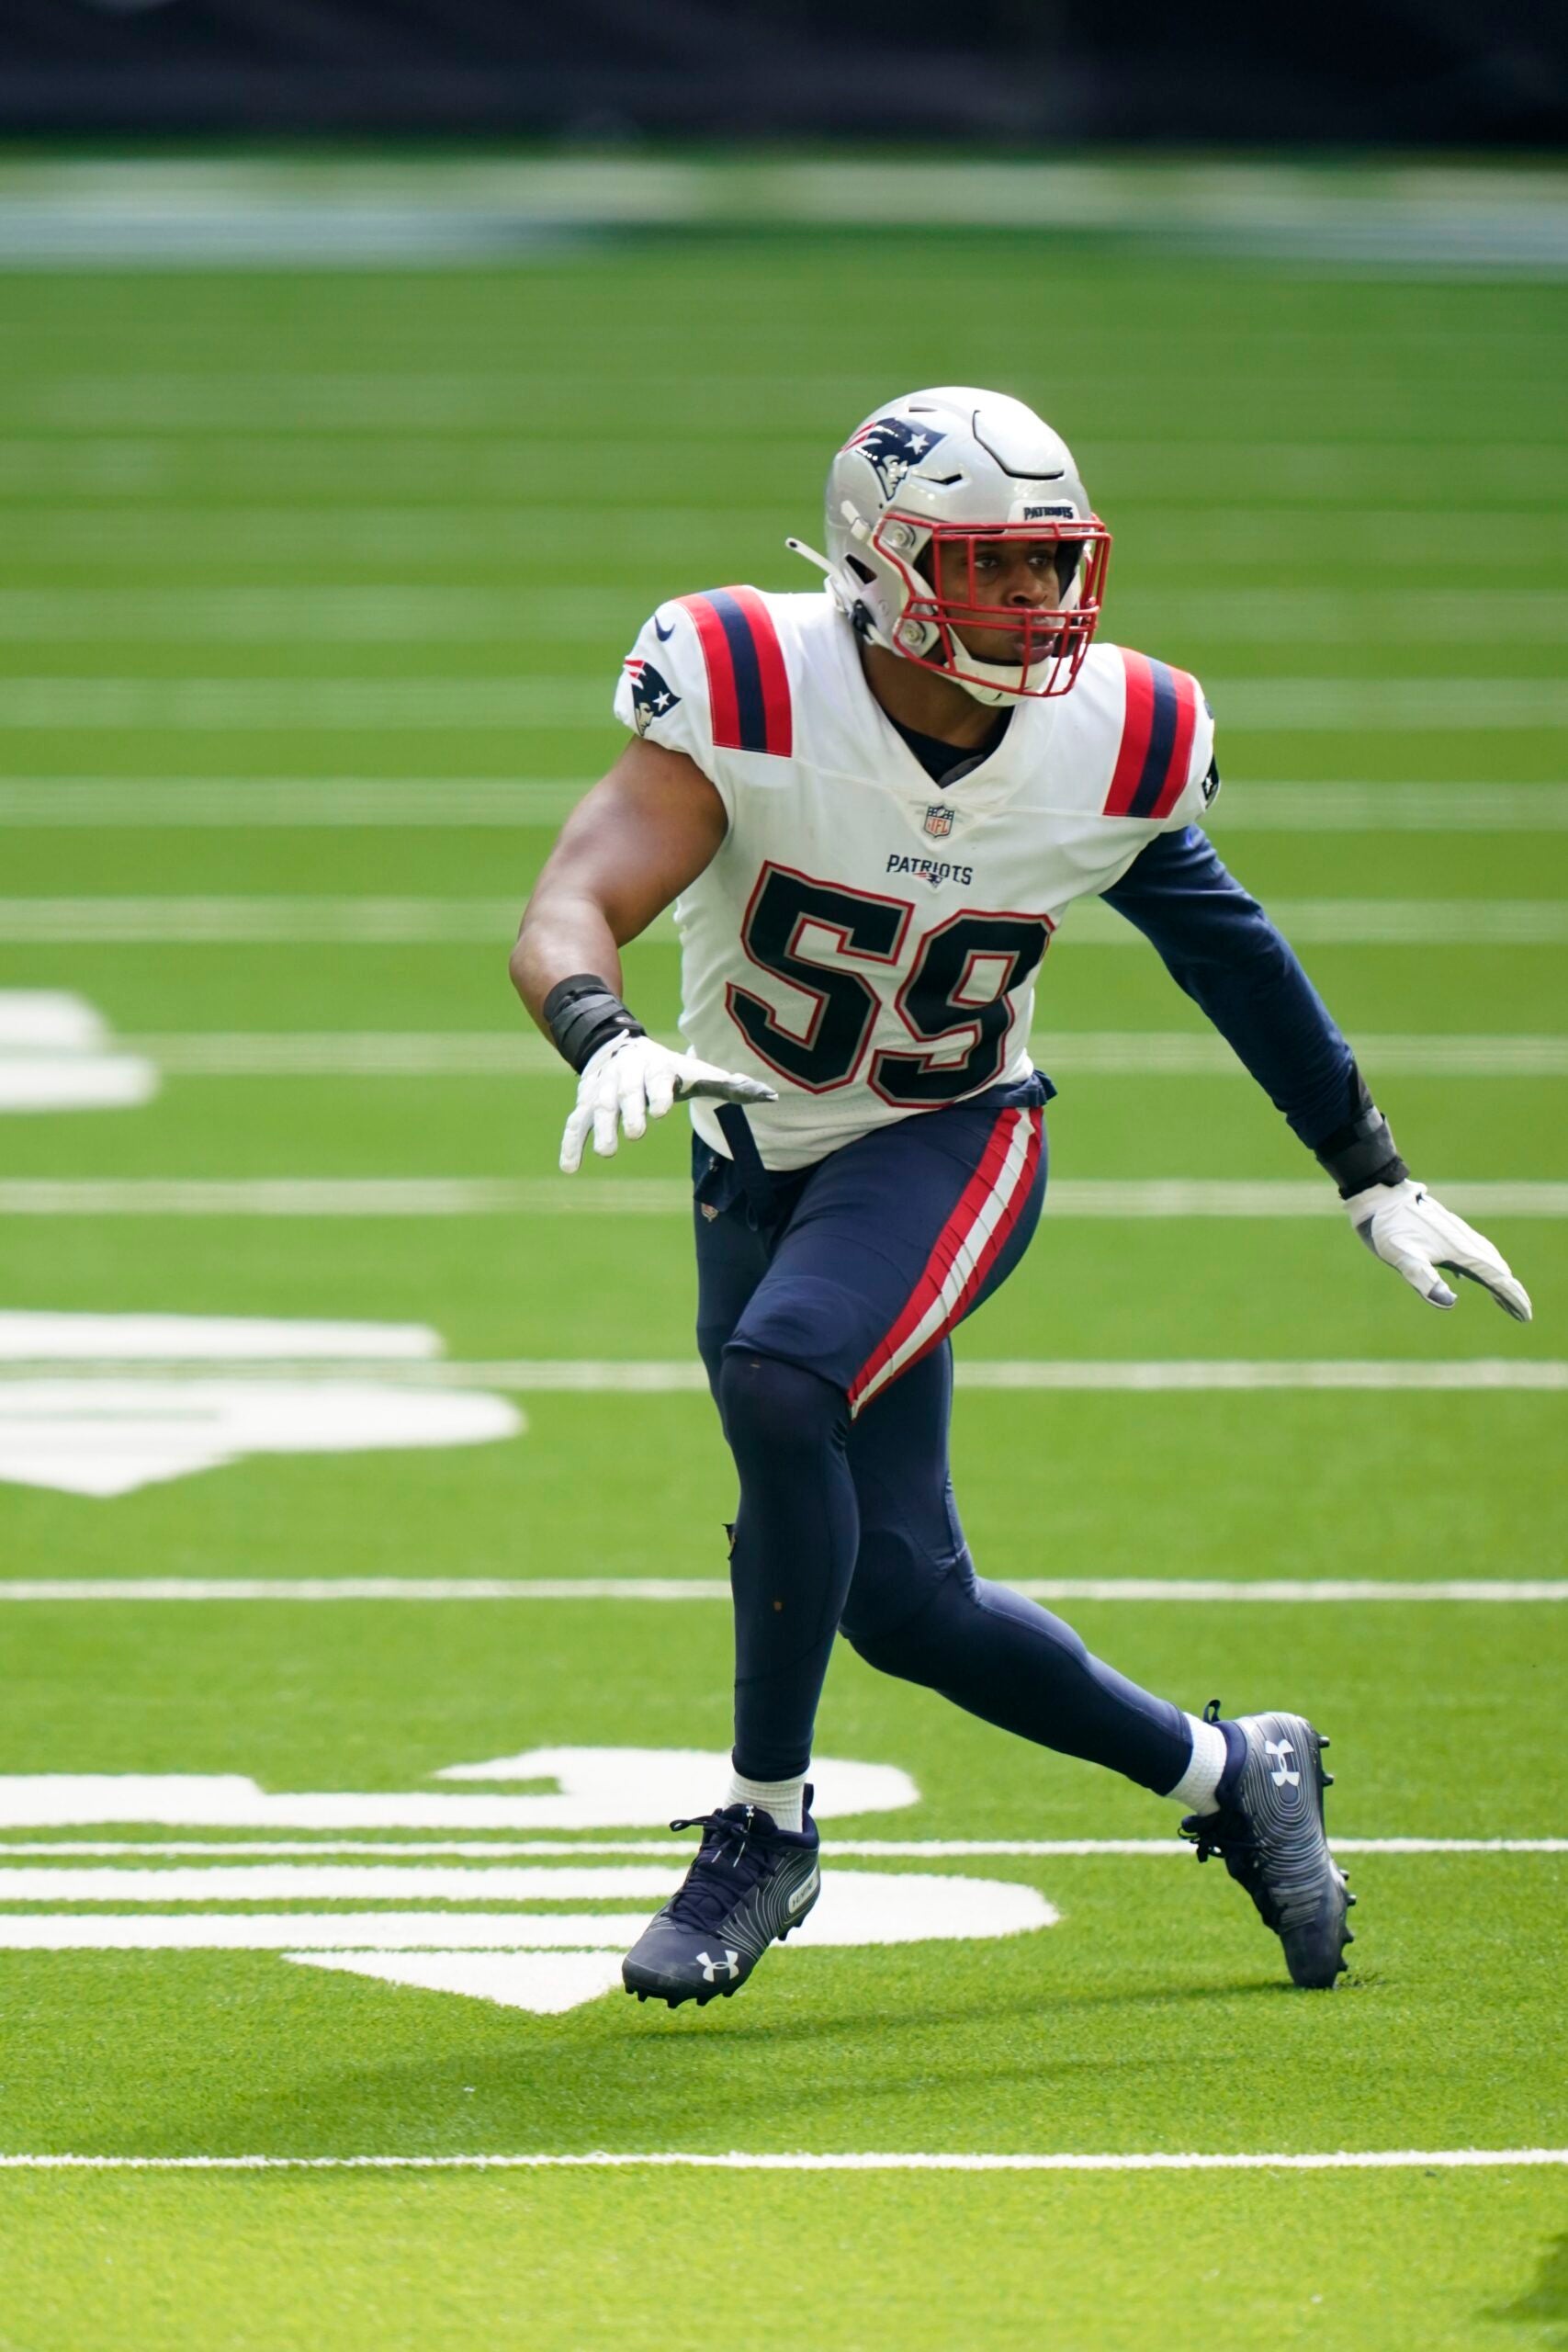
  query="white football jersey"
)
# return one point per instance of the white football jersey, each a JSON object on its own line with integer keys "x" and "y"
{"x": 865, "y": 941}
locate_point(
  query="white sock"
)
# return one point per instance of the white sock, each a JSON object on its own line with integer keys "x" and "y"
{"x": 1195, "y": 1790}
{"x": 784, "y": 1799}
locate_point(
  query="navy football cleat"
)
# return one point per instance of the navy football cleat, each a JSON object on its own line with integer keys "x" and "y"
{"x": 1269, "y": 1834}
{"x": 751, "y": 1883}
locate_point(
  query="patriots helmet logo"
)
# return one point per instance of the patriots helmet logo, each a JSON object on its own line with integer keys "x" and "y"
{"x": 651, "y": 698}
{"x": 892, "y": 449}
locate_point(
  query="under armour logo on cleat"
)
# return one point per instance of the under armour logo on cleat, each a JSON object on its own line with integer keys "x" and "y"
{"x": 1280, "y": 1749}
{"x": 730, "y": 1964}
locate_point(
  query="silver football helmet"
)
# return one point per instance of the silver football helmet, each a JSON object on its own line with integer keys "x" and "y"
{"x": 960, "y": 469}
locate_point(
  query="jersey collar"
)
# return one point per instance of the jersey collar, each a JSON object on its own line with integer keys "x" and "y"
{"x": 989, "y": 786}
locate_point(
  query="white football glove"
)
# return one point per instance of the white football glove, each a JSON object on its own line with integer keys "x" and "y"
{"x": 1404, "y": 1225}
{"x": 633, "y": 1079}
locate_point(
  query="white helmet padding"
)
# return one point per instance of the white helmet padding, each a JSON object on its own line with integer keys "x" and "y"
{"x": 961, "y": 466}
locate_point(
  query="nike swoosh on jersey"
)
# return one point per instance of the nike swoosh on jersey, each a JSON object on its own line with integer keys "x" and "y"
{"x": 663, "y": 635}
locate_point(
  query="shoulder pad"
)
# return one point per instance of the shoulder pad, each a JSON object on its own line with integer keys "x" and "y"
{"x": 747, "y": 683}
{"x": 1159, "y": 721}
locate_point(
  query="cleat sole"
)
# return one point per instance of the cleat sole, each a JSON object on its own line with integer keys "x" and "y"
{"x": 700, "y": 1995}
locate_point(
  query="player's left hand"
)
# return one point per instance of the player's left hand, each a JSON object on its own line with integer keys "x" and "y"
{"x": 633, "y": 1079}
{"x": 1404, "y": 1225}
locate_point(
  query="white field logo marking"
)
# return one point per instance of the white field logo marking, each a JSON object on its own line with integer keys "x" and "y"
{"x": 66, "y": 1424}
{"x": 56, "y": 1055}
{"x": 385, "y": 1922}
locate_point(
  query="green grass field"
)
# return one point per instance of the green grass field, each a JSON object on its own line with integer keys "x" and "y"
{"x": 285, "y": 554}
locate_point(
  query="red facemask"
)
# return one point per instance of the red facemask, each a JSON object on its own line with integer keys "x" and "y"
{"x": 1055, "y": 639}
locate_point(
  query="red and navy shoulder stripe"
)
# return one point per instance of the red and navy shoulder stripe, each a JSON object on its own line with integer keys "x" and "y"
{"x": 1157, "y": 728}
{"x": 747, "y": 683}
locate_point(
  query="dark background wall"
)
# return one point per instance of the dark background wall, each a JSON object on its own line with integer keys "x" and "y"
{"x": 1408, "y": 71}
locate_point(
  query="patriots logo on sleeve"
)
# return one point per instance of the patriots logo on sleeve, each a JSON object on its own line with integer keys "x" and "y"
{"x": 651, "y": 697}
{"x": 892, "y": 449}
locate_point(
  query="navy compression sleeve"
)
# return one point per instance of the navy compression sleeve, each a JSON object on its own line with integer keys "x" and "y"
{"x": 1219, "y": 945}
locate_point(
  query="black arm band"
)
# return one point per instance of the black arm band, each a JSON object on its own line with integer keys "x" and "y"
{"x": 1362, "y": 1151}
{"x": 583, "y": 1013}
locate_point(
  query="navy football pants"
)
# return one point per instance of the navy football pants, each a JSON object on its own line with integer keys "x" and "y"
{"x": 824, "y": 1332}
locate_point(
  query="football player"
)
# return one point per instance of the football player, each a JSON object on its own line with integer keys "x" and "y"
{"x": 872, "y": 804}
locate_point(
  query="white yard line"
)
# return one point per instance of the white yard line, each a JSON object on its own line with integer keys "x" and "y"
{"x": 403, "y": 615}
{"x": 1393, "y": 706}
{"x": 511, "y": 704}
{"x": 148, "y": 921}
{"x": 33, "y": 1336}
{"x": 518, "y": 1053}
{"x": 286, "y": 706}
{"x": 1477, "y": 1372}
{"x": 417, "y": 1196}
{"x": 1471, "y": 1375}
{"x": 1384, "y": 808}
{"x": 425, "y": 921}
{"x": 329, "y": 1882}
{"x": 1462, "y": 1375}
{"x": 1184, "y": 1590}
{"x": 331, "y": 802}
{"x": 873, "y": 1849}
{"x": 736, "y": 2160}
{"x": 618, "y": 1195}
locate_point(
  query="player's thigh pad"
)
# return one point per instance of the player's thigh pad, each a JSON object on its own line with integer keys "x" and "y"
{"x": 897, "y": 1238}
{"x": 732, "y": 1259}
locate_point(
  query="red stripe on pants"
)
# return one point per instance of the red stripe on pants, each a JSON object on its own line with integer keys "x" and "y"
{"x": 950, "y": 1241}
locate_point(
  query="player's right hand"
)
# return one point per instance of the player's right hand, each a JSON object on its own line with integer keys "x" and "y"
{"x": 633, "y": 1079}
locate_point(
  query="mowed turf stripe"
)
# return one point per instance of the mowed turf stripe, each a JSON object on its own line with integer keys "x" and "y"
{"x": 420, "y": 613}
{"x": 437, "y": 1196}
{"x": 519, "y": 1053}
{"x": 736, "y": 2160}
{"x": 194, "y": 920}
{"x": 288, "y": 705}
{"x": 1320, "y": 1592}
{"x": 352, "y": 801}
{"x": 310, "y": 534}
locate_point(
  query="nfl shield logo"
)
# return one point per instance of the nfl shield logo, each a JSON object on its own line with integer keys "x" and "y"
{"x": 939, "y": 821}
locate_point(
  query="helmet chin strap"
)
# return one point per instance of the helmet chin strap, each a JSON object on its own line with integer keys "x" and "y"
{"x": 836, "y": 587}
{"x": 799, "y": 547}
